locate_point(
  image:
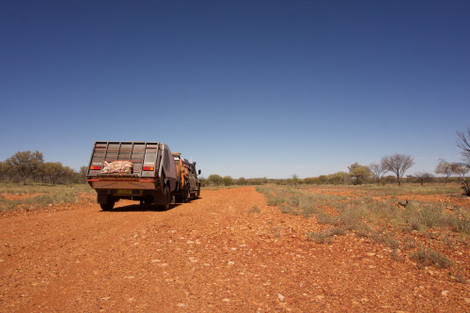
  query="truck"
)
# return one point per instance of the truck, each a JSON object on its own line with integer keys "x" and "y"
{"x": 134, "y": 170}
{"x": 188, "y": 185}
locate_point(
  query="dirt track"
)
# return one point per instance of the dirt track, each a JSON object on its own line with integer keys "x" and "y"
{"x": 210, "y": 255}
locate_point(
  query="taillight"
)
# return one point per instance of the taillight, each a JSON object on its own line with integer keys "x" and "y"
{"x": 148, "y": 168}
{"x": 95, "y": 167}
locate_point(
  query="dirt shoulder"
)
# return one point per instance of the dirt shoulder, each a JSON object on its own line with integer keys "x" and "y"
{"x": 225, "y": 252}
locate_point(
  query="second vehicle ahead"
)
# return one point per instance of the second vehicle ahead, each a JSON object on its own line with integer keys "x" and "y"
{"x": 188, "y": 185}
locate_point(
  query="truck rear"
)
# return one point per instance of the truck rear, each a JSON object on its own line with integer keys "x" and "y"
{"x": 134, "y": 170}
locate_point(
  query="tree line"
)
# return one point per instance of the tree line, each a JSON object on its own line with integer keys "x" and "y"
{"x": 27, "y": 166}
{"x": 357, "y": 174}
{"x": 396, "y": 164}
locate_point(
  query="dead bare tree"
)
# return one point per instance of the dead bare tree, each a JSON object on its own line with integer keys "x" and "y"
{"x": 377, "y": 170}
{"x": 463, "y": 142}
{"x": 423, "y": 177}
{"x": 444, "y": 168}
{"x": 398, "y": 164}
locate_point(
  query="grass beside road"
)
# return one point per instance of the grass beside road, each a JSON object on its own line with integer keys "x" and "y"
{"x": 422, "y": 228}
{"x": 14, "y": 196}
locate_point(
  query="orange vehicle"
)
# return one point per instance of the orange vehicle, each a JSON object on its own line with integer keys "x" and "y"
{"x": 187, "y": 185}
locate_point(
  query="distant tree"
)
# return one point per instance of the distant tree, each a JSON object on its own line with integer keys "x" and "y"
{"x": 3, "y": 171}
{"x": 389, "y": 179}
{"x": 444, "y": 168}
{"x": 255, "y": 181}
{"x": 398, "y": 164}
{"x": 265, "y": 180}
{"x": 359, "y": 173}
{"x": 215, "y": 180}
{"x": 82, "y": 174}
{"x": 83, "y": 170}
{"x": 377, "y": 171}
{"x": 55, "y": 173}
{"x": 448, "y": 169}
{"x": 25, "y": 163}
{"x": 311, "y": 180}
{"x": 228, "y": 181}
{"x": 323, "y": 179}
{"x": 463, "y": 142}
{"x": 50, "y": 171}
{"x": 423, "y": 177}
{"x": 339, "y": 178}
{"x": 241, "y": 181}
{"x": 204, "y": 181}
{"x": 460, "y": 169}
{"x": 295, "y": 179}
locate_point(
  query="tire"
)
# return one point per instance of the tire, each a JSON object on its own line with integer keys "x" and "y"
{"x": 186, "y": 197}
{"x": 166, "y": 198}
{"x": 107, "y": 206}
{"x": 183, "y": 196}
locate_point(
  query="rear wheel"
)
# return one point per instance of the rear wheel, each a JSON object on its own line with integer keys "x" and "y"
{"x": 108, "y": 206}
{"x": 183, "y": 195}
{"x": 186, "y": 194}
{"x": 166, "y": 198}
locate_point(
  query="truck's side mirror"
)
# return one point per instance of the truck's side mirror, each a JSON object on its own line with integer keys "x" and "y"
{"x": 199, "y": 172}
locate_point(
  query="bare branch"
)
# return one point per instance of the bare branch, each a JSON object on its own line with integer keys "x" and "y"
{"x": 463, "y": 142}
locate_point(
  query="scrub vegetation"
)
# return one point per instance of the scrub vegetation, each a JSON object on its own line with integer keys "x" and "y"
{"x": 17, "y": 196}
{"x": 424, "y": 222}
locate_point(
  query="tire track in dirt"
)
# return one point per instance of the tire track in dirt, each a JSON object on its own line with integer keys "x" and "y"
{"x": 214, "y": 254}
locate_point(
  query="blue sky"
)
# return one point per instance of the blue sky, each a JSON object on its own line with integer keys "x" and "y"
{"x": 245, "y": 88}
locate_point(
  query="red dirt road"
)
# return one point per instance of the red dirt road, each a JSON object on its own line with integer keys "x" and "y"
{"x": 214, "y": 254}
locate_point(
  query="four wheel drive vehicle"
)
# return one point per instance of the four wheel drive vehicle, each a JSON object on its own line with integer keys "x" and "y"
{"x": 143, "y": 171}
{"x": 188, "y": 185}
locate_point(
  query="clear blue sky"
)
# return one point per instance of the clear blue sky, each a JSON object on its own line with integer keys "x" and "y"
{"x": 245, "y": 88}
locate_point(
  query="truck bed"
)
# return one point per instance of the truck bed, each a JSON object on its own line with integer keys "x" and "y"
{"x": 143, "y": 155}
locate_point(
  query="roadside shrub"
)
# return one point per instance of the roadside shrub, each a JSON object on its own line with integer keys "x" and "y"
{"x": 350, "y": 219}
{"x": 448, "y": 240}
{"x": 42, "y": 195}
{"x": 323, "y": 218}
{"x": 288, "y": 210}
{"x": 363, "y": 230}
{"x": 326, "y": 235}
{"x": 385, "y": 239}
{"x": 409, "y": 243}
{"x": 427, "y": 257}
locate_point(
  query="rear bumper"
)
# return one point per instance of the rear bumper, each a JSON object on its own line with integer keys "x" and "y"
{"x": 123, "y": 184}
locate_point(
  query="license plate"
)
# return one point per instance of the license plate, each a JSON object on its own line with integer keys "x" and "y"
{"x": 124, "y": 192}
